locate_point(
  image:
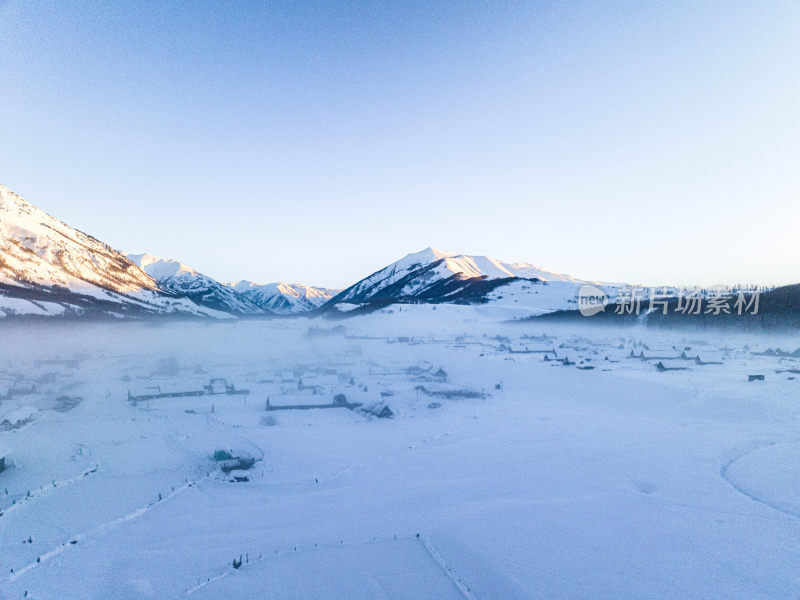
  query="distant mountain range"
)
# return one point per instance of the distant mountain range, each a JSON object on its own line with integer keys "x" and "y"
{"x": 48, "y": 268}
{"x": 175, "y": 277}
{"x": 283, "y": 298}
{"x": 241, "y": 298}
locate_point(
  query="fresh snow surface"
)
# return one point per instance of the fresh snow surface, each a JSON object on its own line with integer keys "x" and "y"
{"x": 20, "y": 306}
{"x": 505, "y": 473}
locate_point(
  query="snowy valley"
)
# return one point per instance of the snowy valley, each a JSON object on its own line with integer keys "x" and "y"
{"x": 447, "y": 427}
{"x": 414, "y": 452}
{"x": 399, "y": 300}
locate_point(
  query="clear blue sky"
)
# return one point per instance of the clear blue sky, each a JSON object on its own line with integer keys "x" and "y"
{"x": 640, "y": 141}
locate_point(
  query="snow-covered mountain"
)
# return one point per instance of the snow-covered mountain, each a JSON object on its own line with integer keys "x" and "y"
{"x": 437, "y": 276}
{"x": 49, "y": 268}
{"x": 178, "y": 278}
{"x": 283, "y": 298}
{"x": 239, "y": 298}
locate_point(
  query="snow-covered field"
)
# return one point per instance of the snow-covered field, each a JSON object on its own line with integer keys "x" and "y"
{"x": 506, "y": 472}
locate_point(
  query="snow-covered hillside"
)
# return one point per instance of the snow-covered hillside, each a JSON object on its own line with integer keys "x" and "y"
{"x": 438, "y": 276}
{"x": 39, "y": 249}
{"x": 50, "y": 268}
{"x": 174, "y": 276}
{"x": 283, "y": 298}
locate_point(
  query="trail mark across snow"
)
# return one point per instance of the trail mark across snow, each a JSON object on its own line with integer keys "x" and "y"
{"x": 724, "y": 473}
{"x": 459, "y": 584}
{"x": 100, "y": 529}
{"x": 38, "y": 493}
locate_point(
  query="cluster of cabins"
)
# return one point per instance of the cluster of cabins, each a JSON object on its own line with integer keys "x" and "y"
{"x": 4, "y": 452}
{"x": 375, "y": 409}
{"x": 215, "y": 386}
{"x": 304, "y": 392}
{"x": 15, "y": 386}
{"x": 12, "y": 386}
{"x": 17, "y": 418}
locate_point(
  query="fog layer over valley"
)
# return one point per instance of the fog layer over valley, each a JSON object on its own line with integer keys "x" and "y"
{"x": 415, "y": 452}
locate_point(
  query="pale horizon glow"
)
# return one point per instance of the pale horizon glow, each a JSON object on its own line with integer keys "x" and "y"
{"x": 316, "y": 143}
